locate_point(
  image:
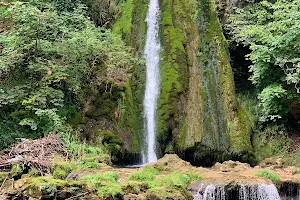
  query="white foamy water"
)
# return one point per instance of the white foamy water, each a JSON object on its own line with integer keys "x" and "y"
{"x": 219, "y": 192}
{"x": 151, "y": 53}
{"x": 267, "y": 192}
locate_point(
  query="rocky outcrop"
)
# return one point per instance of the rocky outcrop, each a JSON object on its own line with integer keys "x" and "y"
{"x": 197, "y": 113}
{"x": 168, "y": 178}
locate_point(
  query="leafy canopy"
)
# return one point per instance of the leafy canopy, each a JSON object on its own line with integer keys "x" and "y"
{"x": 49, "y": 60}
{"x": 272, "y": 31}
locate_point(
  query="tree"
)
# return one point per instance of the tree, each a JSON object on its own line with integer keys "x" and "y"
{"x": 48, "y": 62}
{"x": 271, "y": 30}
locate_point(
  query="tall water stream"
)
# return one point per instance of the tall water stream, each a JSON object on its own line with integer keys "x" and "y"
{"x": 151, "y": 54}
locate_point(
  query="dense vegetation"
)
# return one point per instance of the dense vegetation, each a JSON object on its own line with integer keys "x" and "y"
{"x": 75, "y": 68}
{"x": 271, "y": 30}
{"x": 54, "y": 55}
{"x": 51, "y": 59}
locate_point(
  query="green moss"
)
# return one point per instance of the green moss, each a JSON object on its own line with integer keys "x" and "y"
{"x": 124, "y": 23}
{"x": 175, "y": 25}
{"x": 128, "y": 119}
{"x": 16, "y": 171}
{"x": 138, "y": 31}
{"x": 34, "y": 173}
{"x": 147, "y": 175}
{"x": 61, "y": 170}
{"x": 2, "y": 177}
{"x": 135, "y": 187}
{"x": 239, "y": 140}
{"x": 92, "y": 161}
{"x": 272, "y": 141}
{"x": 48, "y": 186}
{"x": 220, "y": 122}
{"x": 106, "y": 184}
{"x": 162, "y": 186}
{"x": 183, "y": 136}
{"x": 132, "y": 26}
{"x": 272, "y": 176}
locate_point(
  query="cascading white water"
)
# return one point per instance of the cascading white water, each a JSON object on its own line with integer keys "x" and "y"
{"x": 244, "y": 192}
{"x": 151, "y": 53}
{"x": 267, "y": 192}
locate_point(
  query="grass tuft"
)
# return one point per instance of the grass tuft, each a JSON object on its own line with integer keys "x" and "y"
{"x": 272, "y": 176}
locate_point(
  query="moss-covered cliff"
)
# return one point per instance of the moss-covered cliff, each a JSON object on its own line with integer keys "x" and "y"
{"x": 215, "y": 126}
{"x": 197, "y": 113}
{"x": 126, "y": 121}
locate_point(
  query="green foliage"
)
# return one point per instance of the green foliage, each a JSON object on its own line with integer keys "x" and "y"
{"x": 79, "y": 150}
{"x": 271, "y": 141}
{"x": 250, "y": 105}
{"x": 269, "y": 175}
{"x": 111, "y": 142}
{"x": 102, "y": 12}
{"x": 271, "y": 30}
{"x": 292, "y": 159}
{"x": 48, "y": 62}
{"x": 273, "y": 103}
{"x": 124, "y": 23}
{"x": 106, "y": 184}
{"x": 86, "y": 156}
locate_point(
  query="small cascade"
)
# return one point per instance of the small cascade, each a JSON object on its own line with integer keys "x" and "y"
{"x": 267, "y": 192}
{"x": 152, "y": 56}
{"x": 235, "y": 192}
{"x": 209, "y": 192}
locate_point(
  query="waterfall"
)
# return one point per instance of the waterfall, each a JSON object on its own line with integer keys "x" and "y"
{"x": 267, "y": 192}
{"x": 237, "y": 192}
{"x": 151, "y": 54}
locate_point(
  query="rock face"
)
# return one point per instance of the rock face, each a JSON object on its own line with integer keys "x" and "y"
{"x": 197, "y": 114}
